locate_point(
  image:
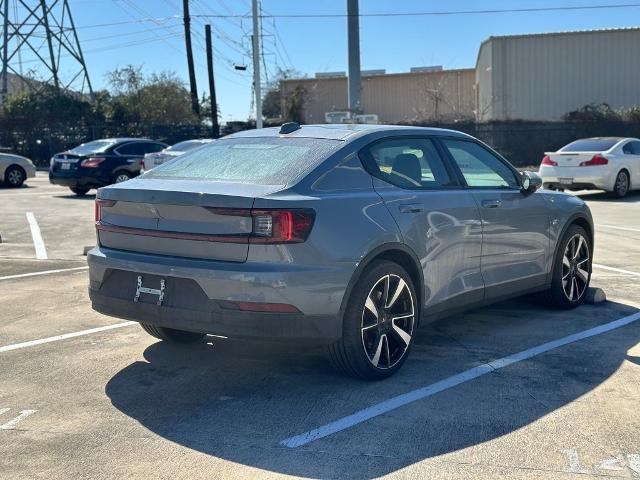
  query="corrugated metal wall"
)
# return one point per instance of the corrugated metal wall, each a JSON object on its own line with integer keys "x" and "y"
{"x": 542, "y": 77}
{"x": 429, "y": 96}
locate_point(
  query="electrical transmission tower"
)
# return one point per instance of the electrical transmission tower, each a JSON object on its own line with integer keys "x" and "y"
{"x": 39, "y": 46}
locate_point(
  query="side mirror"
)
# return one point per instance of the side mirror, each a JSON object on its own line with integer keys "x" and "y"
{"x": 530, "y": 182}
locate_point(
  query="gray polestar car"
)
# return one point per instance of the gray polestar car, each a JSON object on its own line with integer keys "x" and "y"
{"x": 345, "y": 235}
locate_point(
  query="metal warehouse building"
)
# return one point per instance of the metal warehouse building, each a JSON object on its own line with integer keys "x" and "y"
{"x": 422, "y": 94}
{"x": 544, "y": 76}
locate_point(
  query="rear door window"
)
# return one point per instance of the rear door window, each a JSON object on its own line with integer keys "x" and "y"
{"x": 136, "y": 149}
{"x": 263, "y": 161}
{"x": 411, "y": 163}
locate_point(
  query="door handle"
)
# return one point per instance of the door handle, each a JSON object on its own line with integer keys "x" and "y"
{"x": 491, "y": 203}
{"x": 411, "y": 208}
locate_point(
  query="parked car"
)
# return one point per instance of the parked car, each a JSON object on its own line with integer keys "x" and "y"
{"x": 100, "y": 162}
{"x": 15, "y": 169}
{"x": 346, "y": 235}
{"x": 154, "y": 159}
{"x": 601, "y": 163}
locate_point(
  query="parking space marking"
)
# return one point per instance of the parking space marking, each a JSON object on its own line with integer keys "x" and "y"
{"x": 38, "y": 243}
{"x": 614, "y": 227}
{"x": 57, "y": 338}
{"x": 450, "y": 382}
{"x": 44, "y": 272}
{"x": 612, "y": 269}
{"x": 11, "y": 424}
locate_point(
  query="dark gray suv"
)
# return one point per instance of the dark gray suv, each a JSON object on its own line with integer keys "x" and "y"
{"x": 347, "y": 235}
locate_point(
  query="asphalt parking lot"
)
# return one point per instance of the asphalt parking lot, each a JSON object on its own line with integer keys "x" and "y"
{"x": 483, "y": 395}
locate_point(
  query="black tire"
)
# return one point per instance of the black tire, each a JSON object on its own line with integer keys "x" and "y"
{"x": 79, "y": 191}
{"x": 14, "y": 176}
{"x": 350, "y": 354}
{"x": 557, "y": 296}
{"x": 121, "y": 176}
{"x": 622, "y": 185}
{"x": 171, "y": 335}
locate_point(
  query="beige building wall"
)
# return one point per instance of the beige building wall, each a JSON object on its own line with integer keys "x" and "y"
{"x": 400, "y": 97}
{"x": 545, "y": 76}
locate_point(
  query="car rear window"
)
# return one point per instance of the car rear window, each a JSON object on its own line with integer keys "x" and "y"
{"x": 263, "y": 161}
{"x": 590, "y": 145}
{"x": 92, "y": 147}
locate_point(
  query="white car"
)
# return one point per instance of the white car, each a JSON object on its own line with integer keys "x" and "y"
{"x": 601, "y": 163}
{"x": 14, "y": 169}
{"x": 154, "y": 159}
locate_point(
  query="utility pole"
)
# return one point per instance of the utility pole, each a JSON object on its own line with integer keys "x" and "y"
{"x": 353, "y": 44}
{"x": 256, "y": 63}
{"x": 5, "y": 53}
{"x": 215, "y": 128}
{"x": 195, "y": 105}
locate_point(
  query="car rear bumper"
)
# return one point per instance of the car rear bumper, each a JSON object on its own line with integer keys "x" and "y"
{"x": 74, "y": 180}
{"x": 202, "y": 295}
{"x": 586, "y": 178}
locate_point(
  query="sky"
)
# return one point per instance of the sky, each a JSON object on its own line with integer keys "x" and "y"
{"x": 150, "y": 34}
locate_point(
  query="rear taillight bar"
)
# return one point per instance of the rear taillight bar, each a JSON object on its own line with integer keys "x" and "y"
{"x": 274, "y": 225}
{"x": 100, "y": 203}
{"x": 92, "y": 162}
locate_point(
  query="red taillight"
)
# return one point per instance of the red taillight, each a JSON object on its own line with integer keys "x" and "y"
{"x": 101, "y": 202}
{"x": 547, "y": 161}
{"x": 596, "y": 160}
{"x": 274, "y": 226}
{"x": 92, "y": 162}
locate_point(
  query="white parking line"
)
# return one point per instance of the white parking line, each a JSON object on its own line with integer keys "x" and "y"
{"x": 11, "y": 424}
{"x": 57, "y": 338}
{"x": 429, "y": 390}
{"x": 619, "y": 270}
{"x": 614, "y": 227}
{"x": 44, "y": 272}
{"x": 38, "y": 243}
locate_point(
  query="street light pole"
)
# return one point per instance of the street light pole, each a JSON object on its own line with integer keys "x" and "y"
{"x": 256, "y": 63}
{"x": 353, "y": 44}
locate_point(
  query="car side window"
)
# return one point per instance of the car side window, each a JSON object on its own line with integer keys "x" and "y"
{"x": 480, "y": 167}
{"x": 135, "y": 149}
{"x": 628, "y": 149}
{"x": 635, "y": 148}
{"x": 412, "y": 163}
{"x": 153, "y": 147}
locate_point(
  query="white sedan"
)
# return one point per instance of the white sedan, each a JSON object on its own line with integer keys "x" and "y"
{"x": 602, "y": 163}
{"x": 14, "y": 169}
{"x": 154, "y": 159}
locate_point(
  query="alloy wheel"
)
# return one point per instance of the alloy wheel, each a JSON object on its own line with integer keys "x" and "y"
{"x": 14, "y": 177}
{"x": 575, "y": 267}
{"x": 622, "y": 184}
{"x": 122, "y": 177}
{"x": 388, "y": 320}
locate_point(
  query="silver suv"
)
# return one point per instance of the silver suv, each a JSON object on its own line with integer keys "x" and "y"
{"x": 347, "y": 235}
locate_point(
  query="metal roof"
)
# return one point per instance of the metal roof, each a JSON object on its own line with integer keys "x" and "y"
{"x": 565, "y": 32}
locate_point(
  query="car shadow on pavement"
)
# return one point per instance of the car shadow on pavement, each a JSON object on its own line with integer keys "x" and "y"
{"x": 632, "y": 197}
{"x": 237, "y": 400}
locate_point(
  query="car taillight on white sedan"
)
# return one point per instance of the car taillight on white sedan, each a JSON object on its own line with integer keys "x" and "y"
{"x": 547, "y": 161}
{"x": 596, "y": 160}
{"x": 101, "y": 202}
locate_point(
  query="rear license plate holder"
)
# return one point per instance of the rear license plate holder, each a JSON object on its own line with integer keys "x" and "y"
{"x": 65, "y": 166}
{"x": 565, "y": 181}
{"x": 159, "y": 292}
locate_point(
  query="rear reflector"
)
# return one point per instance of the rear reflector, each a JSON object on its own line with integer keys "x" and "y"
{"x": 266, "y": 307}
{"x": 101, "y": 202}
{"x": 596, "y": 160}
{"x": 547, "y": 161}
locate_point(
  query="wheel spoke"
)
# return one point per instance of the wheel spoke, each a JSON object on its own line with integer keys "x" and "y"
{"x": 582, "y": 274}
{"x": 571, "y": 291}
{"x": 582, "y": 261}
{"x": 371, "y": 306}
{"x": 404, "y": 336}
{"x": 376, "y": 358}
{"x": 577, "y": 252}
{"x": 401, "y": 286}
{"x": 386, "y": 344}
{"x": 566, "y": 262}
{"x": 385, "y": 293}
